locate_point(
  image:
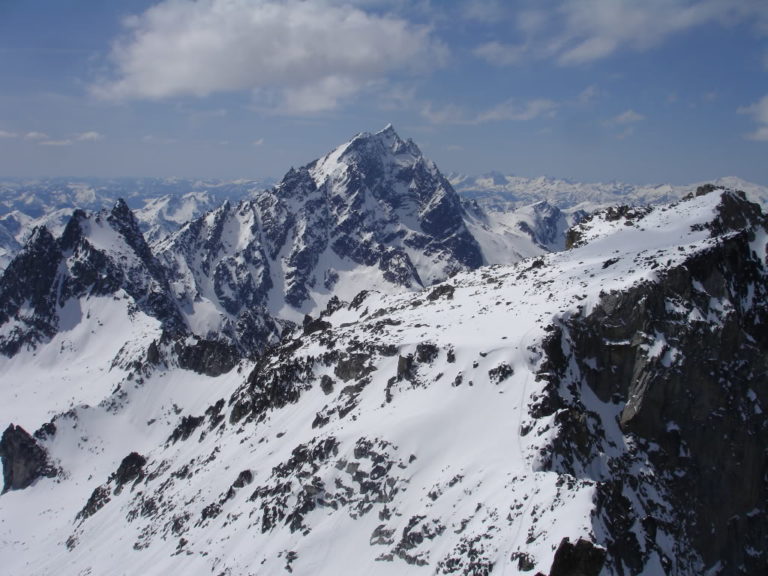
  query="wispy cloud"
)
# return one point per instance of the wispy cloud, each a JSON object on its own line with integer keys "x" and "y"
{"x": 625, "y": 118}
{"x": 625, "y": 123}
{"x": 519, "y": 112}
{"x": 445, "y": 114}
{"x": 759, "y": 113}
{"x": 589, "y": 94}
{"x": 485, "y": 10}
{"x": 510, "y": 110}
{"x": 36, "y": 136}
{"x": 305, "y": 57}
{"x": 152, "y": 139}
{"x": 90, "y": 136}
{"x": 44, "y": 139}
{"x": 574, "y": 32}
{"x": 258, "y": 142}
{"x": 501, "y": 54}
{"x": 57, "y": 143}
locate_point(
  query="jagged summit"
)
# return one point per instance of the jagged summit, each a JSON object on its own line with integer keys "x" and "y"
{"x": 370, "y": 154}
{"x": 97, "y": 255}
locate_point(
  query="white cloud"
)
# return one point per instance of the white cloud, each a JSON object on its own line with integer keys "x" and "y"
{"x": 509, "y": 110}
{"x": 501, "y": 54}
{"x": 589, "y": 94}
{"x": 485, "y": 10}
{"x": 57, "y": 143}
{"x": 89, "y": 137}
{"x": 259, "y": 142}
{"x": 36, "y": 136}
{"x": 759, "y": 113}
{"x": 625, "y": 118}
{"x": 760, "y": 135}
{"x": 574, "y": 32}
{"x": 626, "y": 133}
{"x": 152, "y": 139}
{"x": 447, "y": 114}
{"x": 300, "y": 56}
{"x": 396, "y": 97}
{"x": 625, "y": 123}
{"x": 6, "y": 134}
{"x": 519, "y": 112}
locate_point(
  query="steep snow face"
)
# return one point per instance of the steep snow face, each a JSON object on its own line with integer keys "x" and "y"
{"x": 394, "y": 434}
{"x": 509, "y": 236}
{"x": 84, "y": 362}
{"x": 373, "y": 213}
{"x": 103, "y": 254}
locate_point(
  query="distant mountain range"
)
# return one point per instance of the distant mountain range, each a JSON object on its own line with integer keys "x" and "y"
{"x": 163, "y": 205}
{"x": 504, "y": 193}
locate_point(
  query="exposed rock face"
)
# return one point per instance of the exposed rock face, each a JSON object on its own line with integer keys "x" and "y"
{"x": 130, "y": 469}
{"x": 29, "y": 278}
{"x": 374, "y": 203}
{"x": 209, "y": 357}
{"x": 24, "y": 460}
{"x": 684, "y": 363}
{"x": 580, "y": 559}
{"x": 96, "y": 255}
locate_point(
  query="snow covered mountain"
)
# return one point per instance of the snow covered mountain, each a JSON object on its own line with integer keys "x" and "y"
{"x": 102, "y": 255}
{"x": 374, "y": 213}
{"x": 599, "y": 410}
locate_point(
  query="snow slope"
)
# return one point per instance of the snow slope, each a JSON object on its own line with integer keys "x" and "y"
{"x": 395, "y": 434}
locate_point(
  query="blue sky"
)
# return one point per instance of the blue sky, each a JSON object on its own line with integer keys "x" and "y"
{"x": 644, "y": 92}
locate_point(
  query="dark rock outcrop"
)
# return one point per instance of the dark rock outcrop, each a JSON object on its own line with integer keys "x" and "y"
{"x": 580, "y": 559}
{"x": 209, "y": 357}
{"x": 24, "y": 460}
{"x": 684, "y": 363}
{"x": 131, "y": 469}
{"x": 48, "y": 273}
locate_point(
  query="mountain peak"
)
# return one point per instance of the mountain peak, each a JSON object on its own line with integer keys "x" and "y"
{"x": 40, "y": 235}
{"x": 383, "y": 143}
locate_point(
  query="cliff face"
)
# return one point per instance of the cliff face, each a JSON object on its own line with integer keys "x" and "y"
{"x": 679, "y": 369}
{"x": 23, "y": 459}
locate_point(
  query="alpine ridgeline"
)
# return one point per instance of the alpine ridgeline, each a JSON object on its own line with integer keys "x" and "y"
{"x": 599, "y": 410}
{"x": 48, "y": 284}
